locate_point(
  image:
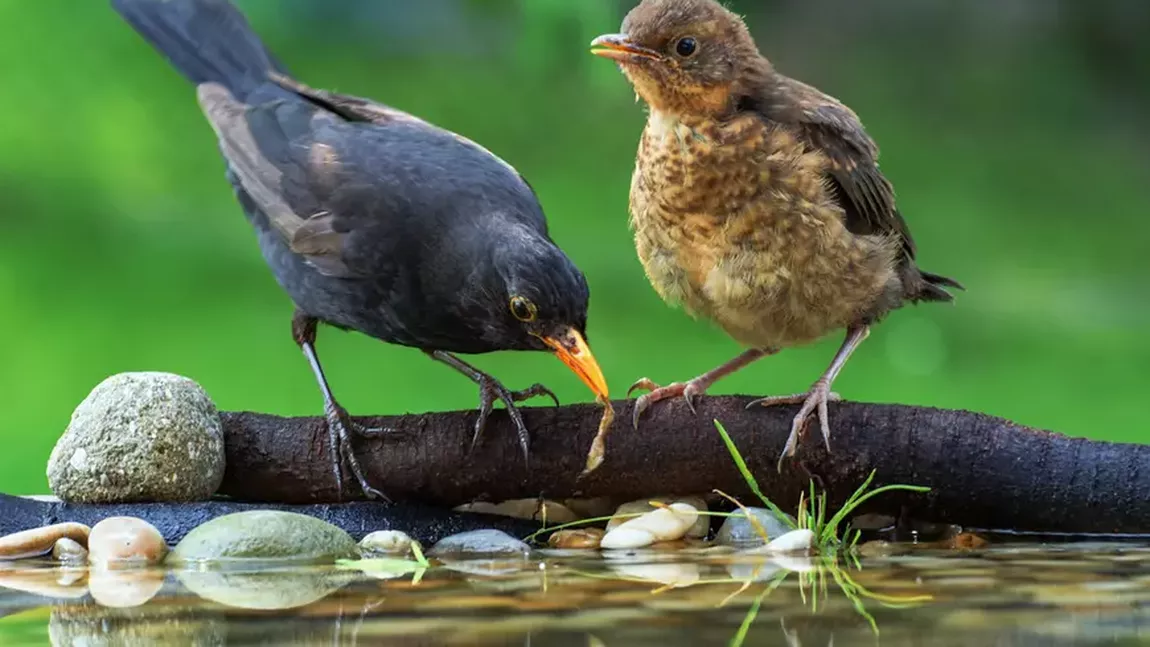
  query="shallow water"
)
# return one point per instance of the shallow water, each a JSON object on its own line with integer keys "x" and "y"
{"x": 1019, "y": 594}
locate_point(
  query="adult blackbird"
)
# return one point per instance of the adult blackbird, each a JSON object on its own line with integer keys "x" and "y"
{"x": 376, "y": 221}
{"x": 757, "y": 200}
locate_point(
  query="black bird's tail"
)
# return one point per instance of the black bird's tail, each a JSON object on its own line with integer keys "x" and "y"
{"x": 206, "y": 40}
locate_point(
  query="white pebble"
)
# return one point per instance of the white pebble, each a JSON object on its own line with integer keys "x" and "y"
{"x": 699, "y": 530}
{"x": 795, "y": 541}
{"x": 662, "y": 524}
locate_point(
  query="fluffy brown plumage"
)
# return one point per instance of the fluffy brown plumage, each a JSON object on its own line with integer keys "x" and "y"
{"x": 757, "y": 200}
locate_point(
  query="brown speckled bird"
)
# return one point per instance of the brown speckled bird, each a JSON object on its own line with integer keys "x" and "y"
{"x": 757, "y": 200}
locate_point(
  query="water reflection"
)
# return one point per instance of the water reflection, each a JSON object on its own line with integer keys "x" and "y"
{"x": 1017, "y": 595}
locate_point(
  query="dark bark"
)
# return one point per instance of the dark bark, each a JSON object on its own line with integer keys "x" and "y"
{"x": 984, "y": 472}
{"x": 174, "y": 520}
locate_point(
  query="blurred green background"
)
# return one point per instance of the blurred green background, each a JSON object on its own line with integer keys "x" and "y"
{"x": 1016, "y": 135}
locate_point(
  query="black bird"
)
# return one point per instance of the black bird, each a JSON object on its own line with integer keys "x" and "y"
{"x": 374, "y": 220}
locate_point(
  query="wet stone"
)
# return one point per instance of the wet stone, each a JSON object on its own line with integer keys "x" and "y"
{"x": 386, "y": 542}
{"x": 739, "y": 531}
{"x": 479, "y": 542}
{"x": 266, "y": 535}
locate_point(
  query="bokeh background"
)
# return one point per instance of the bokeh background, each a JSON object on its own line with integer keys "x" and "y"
{"x": 1015, "y": 132}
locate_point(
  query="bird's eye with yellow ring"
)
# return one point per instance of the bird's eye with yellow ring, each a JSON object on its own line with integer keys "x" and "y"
{"x": 523, "y": 309}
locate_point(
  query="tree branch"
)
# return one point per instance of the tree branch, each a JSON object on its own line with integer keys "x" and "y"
{"x": 984, "y": 472}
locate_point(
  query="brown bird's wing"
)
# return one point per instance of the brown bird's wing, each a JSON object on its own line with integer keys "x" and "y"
{"x": 866, "y": 196}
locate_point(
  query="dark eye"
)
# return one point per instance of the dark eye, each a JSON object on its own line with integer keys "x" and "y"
{"x": 686, "y": 46}
{"x": 523, "y": 309}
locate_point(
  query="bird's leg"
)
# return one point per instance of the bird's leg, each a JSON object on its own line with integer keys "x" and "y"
{"x": 490, "y": 390}
{"x": 819, "y": 394}
{"x": 340, "y": 426}
{"x": 692, "y": 388}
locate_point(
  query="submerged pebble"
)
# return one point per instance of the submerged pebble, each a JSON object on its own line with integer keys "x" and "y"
{"x": 64, "y": 584}
{"x": 39, "y": 541}
{"x": 386, "y": 542}
{"x": 662, "y": 524}
{"x": 122, "y": 589}
{"x": 672, "y": 574}
{"x": 69, "y": 551}
{"x": 582, "y": 538}
{"x": 738, "y": 531}
{"x": 118, "y": 542}
{"x": 479, "y": 542}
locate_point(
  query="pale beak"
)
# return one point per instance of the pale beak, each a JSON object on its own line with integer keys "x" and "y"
{"x": 618, "y": 47}
{"x": 572, "y": 350}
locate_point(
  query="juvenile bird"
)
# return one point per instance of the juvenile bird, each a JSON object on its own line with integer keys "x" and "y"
{"x": 376, "y": 221}
{"x": 757, "y": 200}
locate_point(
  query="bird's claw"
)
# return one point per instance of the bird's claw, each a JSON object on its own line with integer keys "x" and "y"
{"x": 340, "y": 428}
{"x": 813, "y": 401}
{"x": 689, "y": 390}
{"x": 643, "y": 384}
{"x": 334, "y": 410}
{"x": 491, "y": 390}
{"x": 534, "y": 391}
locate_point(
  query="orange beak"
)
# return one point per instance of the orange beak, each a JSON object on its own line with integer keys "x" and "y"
{"x": 619, "y": 48}
{"x": 572, "y": 350}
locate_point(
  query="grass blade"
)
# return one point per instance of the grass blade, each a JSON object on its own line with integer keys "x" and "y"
{"x": 750, "y": 478}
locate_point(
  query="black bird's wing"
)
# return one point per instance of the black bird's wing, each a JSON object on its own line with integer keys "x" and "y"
{"x": 354, "y": 108}
{"x": 343, "y": 181}
{"x": 275, "y": 156}
{"x": 866, "y": 196}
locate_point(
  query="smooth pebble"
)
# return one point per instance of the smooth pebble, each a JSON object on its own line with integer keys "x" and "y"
{"x": 118, "y": 542}
{"x": 480, "y": 542}
{"x": 697, "y": 530}
{"x": 661, "y": 524}
{"x": 386, "y": 542}
{"x": 737, "y": 530}
{"x": 39, "y": 541}
{"x": 69, "y": 551}
{"x": 582, "y": 538}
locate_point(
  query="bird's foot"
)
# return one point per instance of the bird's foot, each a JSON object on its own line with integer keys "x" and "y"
{"x": 490, "y": 390}
{"x": 340, "y": 428}
{"x": 812, "y": 401}
{"x": 689, "y": 390}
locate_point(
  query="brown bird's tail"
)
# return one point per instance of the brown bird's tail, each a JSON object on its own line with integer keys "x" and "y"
{"x": 931, "y": 287}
